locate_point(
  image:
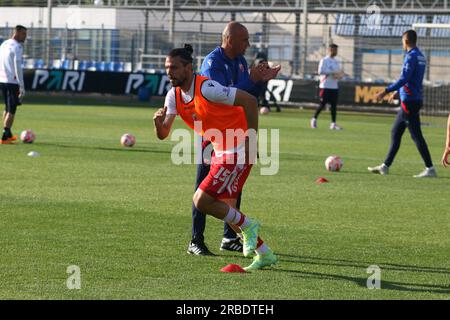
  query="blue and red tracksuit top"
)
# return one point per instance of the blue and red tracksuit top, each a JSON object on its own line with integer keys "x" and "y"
{"x": 410, "y": 82}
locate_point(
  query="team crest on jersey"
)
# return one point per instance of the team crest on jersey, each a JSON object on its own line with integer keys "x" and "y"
{"x": 226, "y": 67}
{"x": 241, "y": 67}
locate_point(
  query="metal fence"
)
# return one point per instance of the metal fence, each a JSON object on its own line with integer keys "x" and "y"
{"x": 136, "y": 35}
{"x": 366, "y": 52}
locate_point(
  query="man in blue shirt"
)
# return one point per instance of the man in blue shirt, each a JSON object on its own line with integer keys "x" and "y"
{"x": 226, "y": 64}
{"x": 409, "y": 89}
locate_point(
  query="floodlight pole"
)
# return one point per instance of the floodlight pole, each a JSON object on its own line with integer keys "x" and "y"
{"x": 146, "y": 33}
{"x": 172, "y": 22}
{"x": 297, "y": 39}
{"x": 49, "y": 30}
{"x": 305, "y": 39}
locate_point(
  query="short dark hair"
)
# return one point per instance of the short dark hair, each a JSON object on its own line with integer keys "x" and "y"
{"x": 19, "y": 27}
{"x": 411, "y": 36}
{"x": 333, "y": 45}
{"x": 184, "y": 53}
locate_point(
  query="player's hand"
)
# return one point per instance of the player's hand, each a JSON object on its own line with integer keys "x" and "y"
{"x": 257, "y": 72}
{"x": 392, "y": 97}
{"x": 159, "y": 116}
{"x": 445, "y": 161}
{"x": 380, "y": 95}
{"x": 21, "y": 93}
{"x": 270, "y": 73}
{"x": 339, "y": 75}
{"x": 263, "y": 73}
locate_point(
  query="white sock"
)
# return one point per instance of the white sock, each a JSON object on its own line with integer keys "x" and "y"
{"x": 234, "y": 217}
{"x": 262, "y": 249}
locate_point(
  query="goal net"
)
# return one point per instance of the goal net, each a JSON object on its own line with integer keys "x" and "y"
{"x": 434, "y": 42}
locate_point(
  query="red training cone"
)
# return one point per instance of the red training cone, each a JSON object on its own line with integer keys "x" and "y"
{"x": 232, "y": 268}
{"x": 321, "y": 180}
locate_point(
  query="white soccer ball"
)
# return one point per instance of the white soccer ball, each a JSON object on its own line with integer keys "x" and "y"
{"x": 128, "y": 140}
{"x": 33, "y": 154}
{"x": 264, "y": 110}
{"x": 334, "y": 163}
{"x": 27, "y": 136}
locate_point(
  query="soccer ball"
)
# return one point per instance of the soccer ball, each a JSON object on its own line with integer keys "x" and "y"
{"x": 334, "y": 163}
{"x": 27, "y": 136}
{"x": 128, "y": 140}
{"x": 264, "y": 110}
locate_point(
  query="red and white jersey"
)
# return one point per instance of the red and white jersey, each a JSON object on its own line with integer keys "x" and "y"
{"x": 327, "y": 66}
{"x": 11, "y": 62}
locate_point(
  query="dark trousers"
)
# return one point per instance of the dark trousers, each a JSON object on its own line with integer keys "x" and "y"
{"x": 199, "y": 219}
{"x": 329, "y": 96}
{"x": 10, "y": 93}
{"x": 408, "y": 116}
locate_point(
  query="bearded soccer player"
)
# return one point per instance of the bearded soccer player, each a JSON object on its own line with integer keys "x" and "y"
{"x": 218, "y": 114}
{"x": 11, "y": 79}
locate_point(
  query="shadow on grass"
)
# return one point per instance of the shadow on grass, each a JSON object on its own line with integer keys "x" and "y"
{"x": 391, "y": 285}
{"x": 362, "y": 282}
{"x": 355, "y": 264}
{"x": 121, "y": 149}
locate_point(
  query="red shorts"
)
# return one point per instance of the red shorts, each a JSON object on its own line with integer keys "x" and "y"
{"x": 225, "y": 181}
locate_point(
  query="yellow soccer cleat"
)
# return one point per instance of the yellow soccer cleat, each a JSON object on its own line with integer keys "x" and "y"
{"x": 262, "y": 260}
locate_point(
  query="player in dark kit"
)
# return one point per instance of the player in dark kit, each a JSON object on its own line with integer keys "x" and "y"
{"x": 410, "y": 89}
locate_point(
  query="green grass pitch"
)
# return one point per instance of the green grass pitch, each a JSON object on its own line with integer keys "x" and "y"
{"x": 124, "y": 215}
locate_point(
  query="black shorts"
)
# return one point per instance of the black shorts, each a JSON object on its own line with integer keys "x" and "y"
{"x": 10, "y": 93}
{"x": 329, "y": 96}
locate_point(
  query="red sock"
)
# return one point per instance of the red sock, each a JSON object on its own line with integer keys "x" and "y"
{"x": 260, "y": 243}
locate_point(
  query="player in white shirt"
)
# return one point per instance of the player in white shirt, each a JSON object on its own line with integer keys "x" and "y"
{"x": 11, "y": 79}
{"x": 330, "y": 72}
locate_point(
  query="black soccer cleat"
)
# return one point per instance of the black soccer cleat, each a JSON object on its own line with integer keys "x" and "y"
{"x": 199, "y": 249}
{"x": 231, "y": 245}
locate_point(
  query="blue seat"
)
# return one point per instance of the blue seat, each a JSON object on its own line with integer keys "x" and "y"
{"x": 66, "y": 65}
{"x": 119, "y": 66}
{"x": 91, "y": 66}
{"x": 110, "y": 66}
{"x": 100, "y": 66}
{"x": 83, "y": 65}
{"x": 39, "y": 64}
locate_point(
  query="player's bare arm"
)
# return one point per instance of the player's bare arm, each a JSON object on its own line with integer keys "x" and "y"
{"x": 445, "y": 160}
{"x": 163, "y": 123}
{"x": 250, "y": 105}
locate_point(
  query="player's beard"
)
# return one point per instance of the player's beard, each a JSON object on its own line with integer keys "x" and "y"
{"x": 177, "y": 82}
